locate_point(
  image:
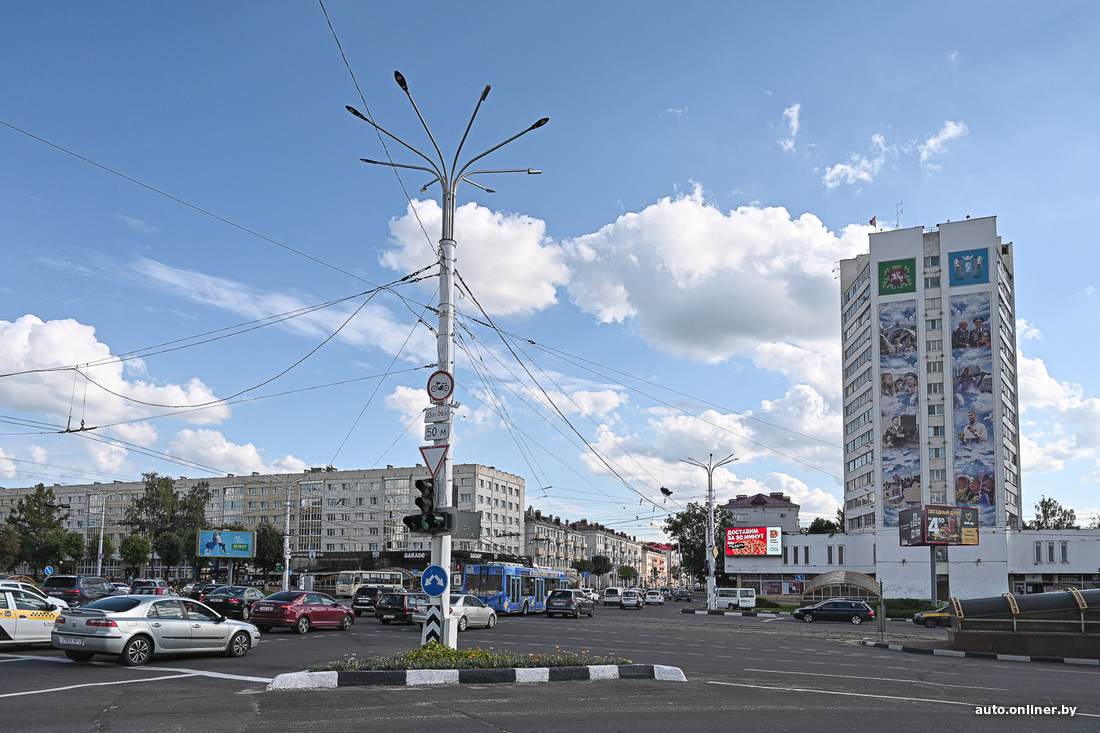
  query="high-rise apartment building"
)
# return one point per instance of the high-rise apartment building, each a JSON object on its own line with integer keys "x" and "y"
{"x": 931, "y": 412}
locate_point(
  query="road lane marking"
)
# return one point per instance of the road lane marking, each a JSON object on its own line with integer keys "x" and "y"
{"x": 95, "y": 684}
{"x": 186, "y": 671}
{"x": 882, "y": 679}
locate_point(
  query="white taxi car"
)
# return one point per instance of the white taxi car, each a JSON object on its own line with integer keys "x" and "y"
{"x": 25, "y": 618}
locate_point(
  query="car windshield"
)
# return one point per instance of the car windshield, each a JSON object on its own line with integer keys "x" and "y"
{"x": 561, "y": 593}
{"x": 391, "y": 598}
{"x": 59, "y": 583}
{"x": 236, "y": 592}
{"x": 285, "y": 596}
{"x": 117, "y": 604}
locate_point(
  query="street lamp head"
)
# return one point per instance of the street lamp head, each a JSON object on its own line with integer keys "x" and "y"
{"x": 485, "y": 92}
{"x": 355, "y": 112}
{"x": 533, "y": 172}
{"x": 401, "y": 81}
{"x": 540, "y": 123}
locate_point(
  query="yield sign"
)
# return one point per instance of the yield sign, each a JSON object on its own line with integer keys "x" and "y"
{"x": 433, "y": 456}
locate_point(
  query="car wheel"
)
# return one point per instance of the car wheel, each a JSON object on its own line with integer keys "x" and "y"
{"x": 492, "y": 621}
{"x": 930, "y": 623}
{"x": 729, "y": 607}
{"x": 302, "y": 626}
{"x": 593, "y": 611}
{"x": 238, "y": 645}
{"x": 347, "y": 622}
{"x": 857, "y": 620}
{"x": 384, "y": 620}
{"x": 463, "y": 623}
{"x": 246, "y": 613}
{"x": 79, "y": 656}
{"x": 526, "y": 608}
{"x": 577, "y": 613}
{"x": 136, "y": 652}
{"x": 808, "y": 618}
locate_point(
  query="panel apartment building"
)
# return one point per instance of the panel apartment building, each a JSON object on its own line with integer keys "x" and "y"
{"x": 931, "y": 411}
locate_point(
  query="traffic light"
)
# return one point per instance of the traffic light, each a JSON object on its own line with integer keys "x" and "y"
{"x": 426, "y": 500}
{"x": 428, "y": 521}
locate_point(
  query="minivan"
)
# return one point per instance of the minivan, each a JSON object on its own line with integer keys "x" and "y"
{"x": 736, "y": 599}
{"x": 611, "y": 596}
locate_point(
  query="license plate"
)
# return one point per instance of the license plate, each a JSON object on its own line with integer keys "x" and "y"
{"x": 389, "y": 615}
{"x": 265, "y": 608}
{"x": 70, "y": 641}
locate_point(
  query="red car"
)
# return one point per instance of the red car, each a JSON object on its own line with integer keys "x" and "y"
{"x": 299, "y": 610}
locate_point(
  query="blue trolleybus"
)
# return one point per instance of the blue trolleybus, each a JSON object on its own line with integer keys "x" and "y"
{"x": 512, "y": 588}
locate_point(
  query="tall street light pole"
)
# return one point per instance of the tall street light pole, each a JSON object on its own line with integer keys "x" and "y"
{"x": 449, "y": 180}
{"x": 709, "y": 467}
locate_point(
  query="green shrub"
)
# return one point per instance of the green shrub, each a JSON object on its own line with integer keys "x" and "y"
{"x": 905, "y": 607}
{"x": 434, "y": 655}
{"x": 766, "y": 603}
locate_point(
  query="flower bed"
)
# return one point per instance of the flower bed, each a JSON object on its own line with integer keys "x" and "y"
{"x": 436, "y": 656}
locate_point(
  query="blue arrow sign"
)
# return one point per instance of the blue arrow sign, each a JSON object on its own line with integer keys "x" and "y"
{"x": 585, "y": 573}
{"x": 799, "y": 578}
{"x": 434, "y": 580}
{"x": 48, "y": 570}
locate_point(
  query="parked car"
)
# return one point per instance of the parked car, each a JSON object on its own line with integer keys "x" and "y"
{"x": 855, "y": 612}
{"x": 33, "y": 589}
{"x": 654, "y": 598}
{"x": 682, "y": 594}
{"x": 118, "y": 589}
{"x": 631, "y": 598}
{"x": 611, "y": 596}
{"x": 136, "y": 627}
{"x": 199, "y": 591}
{"x": 569, "y": 603}
{"x": 940, "y": 617}
{"x": 398, "y": 606}
{"x": 147, "y": 583}
{"x": 367, "y": 595}
{"x": 76, "y": 590}
{"x": 468, "y": 610}
{"x": 234, "y": 601}
{"x": 152, "y": 591}
{"x": 301, "y": 610}
{"x": 733, "y": 599}
{"x": 25, "y": 617}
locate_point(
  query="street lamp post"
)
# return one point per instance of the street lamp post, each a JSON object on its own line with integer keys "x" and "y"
{"x": 709, "y": 467}
{"x": 449, "y": 180}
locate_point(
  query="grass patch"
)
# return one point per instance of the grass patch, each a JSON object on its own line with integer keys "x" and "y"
{"x": 436, "y": 656}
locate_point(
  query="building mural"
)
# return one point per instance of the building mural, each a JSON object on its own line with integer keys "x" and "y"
{"x": 899, "y": 397}
{"x": 972, "y": 405}
{"x": 969, "y": 268}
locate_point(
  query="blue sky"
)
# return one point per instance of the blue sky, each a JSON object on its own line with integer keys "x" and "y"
{"x": 705, "y": 166}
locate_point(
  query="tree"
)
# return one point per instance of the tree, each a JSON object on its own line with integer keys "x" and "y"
{"x": 1049, "y": 514}
{"x": 161, "y": 509}
{"x": 169, "y": 547}
{"x": 841, "y": 525}
{"x": 269, "y": 548}
{"x": 822, "y": 526}
{"x": 9, "y": 547}
{"x": 583, "y": 566}
{"x": 32, "y": 517}
{"x": 689, "y": 529}
{"x": 134, "y": 551}
{"x": 72, "y": 548}
{"x": 601, "y": 565}
{"x": 92, "y": 550}
{"x": 627, "y": 573}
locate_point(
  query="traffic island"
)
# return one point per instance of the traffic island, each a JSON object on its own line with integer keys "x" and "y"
{"x": 435, "y": 664}
{"x": 761, "y": 614}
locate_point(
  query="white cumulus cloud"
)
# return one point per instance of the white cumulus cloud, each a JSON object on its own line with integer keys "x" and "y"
{"x": 791, "y": 115}
{"x": 934, "y": 145}
{"x": 211, "y": 448}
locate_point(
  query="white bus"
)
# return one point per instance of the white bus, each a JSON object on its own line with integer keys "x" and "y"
{"x": 351, "y": 580}
{"x": 736, "y": 599}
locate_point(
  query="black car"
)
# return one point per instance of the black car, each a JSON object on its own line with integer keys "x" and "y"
{"x": 854, "y": 612}
{"x": 682, "y": 594}
{"x": 200, "y": 590}
{"x": 398, "y": 606}
{"x": 367, "y": 595}
{"x": 76, "y": 590}
{"x": 569, "y": 603}
{"x": 234, "y": 601}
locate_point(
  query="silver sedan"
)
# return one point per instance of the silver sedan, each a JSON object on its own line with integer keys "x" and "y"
{"x": 135, "y": 627}
{"x": 467, "y": 610}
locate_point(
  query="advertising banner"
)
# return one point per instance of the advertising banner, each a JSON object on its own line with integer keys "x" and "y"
{"x": 938, "y": 525}
{"x": 755, "y": 541}
{"x": 975, "y": 474}
{"x": 899, "y": 397}
{"x": 225, "y": 543}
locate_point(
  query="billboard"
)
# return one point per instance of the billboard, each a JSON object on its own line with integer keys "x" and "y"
{"x": 899, "y": 400}
{"x": 225, "y": 543}
{"x": 754, "y": 541}
{"x": 896, "y": 277}
{"x": 973, "y": 403}
{"x": 938, "y": 525}
{"x": 969, "y": 268}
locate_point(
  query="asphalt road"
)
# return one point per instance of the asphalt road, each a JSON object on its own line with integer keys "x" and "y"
{"x": 771, "y": 674}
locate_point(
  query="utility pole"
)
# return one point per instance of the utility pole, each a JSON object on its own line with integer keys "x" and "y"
{"x": 449, "y": 180}
{"x": 709, "y": 467}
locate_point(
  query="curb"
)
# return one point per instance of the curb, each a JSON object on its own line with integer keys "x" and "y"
{"x": 761, "y": 614}
{"x": 979, "y": 655}
{"x": 425, "y": 677}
